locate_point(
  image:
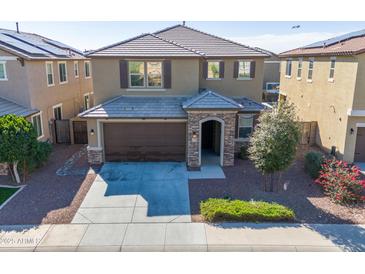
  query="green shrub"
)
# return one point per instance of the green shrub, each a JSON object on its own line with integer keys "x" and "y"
{"x": 312, "y": 163}
{"x": 215, "y": 210}
{"x": 243, "y": 152}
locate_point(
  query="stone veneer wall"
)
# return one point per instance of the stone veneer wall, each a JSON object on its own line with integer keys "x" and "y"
{"x": 94, "y": 155}
{"x": 4, "y": 169}
{"x": 194, "y": 117}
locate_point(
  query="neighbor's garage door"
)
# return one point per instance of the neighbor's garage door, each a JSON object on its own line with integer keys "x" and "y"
{"x": 144, "y": 141}
{"x": 360, "y": 145}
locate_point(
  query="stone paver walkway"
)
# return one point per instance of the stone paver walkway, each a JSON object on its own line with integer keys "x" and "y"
{"x": 183, "y": 237}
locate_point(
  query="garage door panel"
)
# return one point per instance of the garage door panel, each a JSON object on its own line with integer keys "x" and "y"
{"x": 145, "y": 141}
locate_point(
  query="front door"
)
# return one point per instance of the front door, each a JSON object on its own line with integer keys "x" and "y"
{"x": 360, "y": 145}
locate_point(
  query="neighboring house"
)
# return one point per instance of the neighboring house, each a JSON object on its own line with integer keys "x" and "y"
{"x": 178, "y": 94}
{"x": 271, "y": 81}
{"x": 46, "y": 75}
{"x": 326, "y": 81}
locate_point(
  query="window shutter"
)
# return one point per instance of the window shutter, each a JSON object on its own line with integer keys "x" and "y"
{"x": 221, "y": 69}
{"x": 123, "y": 70}
{"x": 252, "y": 69}
{"x": 205, "y": 69}
{"x": 235, "y": 69}
{"x": 167, "y": 74}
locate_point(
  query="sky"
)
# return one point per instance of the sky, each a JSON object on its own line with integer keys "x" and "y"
{"x": 274, "y": 36}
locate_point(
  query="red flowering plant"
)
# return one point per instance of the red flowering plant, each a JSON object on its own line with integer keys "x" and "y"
{"x": 341, "y": 181}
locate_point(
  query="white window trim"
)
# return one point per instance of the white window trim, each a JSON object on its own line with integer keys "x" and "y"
{"x": 50, "y": 63}
{"x": 309, "y": 60}
{"x": 268, "y": 83}
{"x": 41, "y": 119}
{"x": 145, "y": 86}
{"x": 300, "y": 60}
{"x": 219, "y": 72}
{"x": 238, "y": 126}
{"x": 244, "y": 78}
{"x": 78, "y": 69}
{"x": 331, "y": 80}
{"x": 59, "y": 72}
{"x": 5, "y": 74}
{"x": 57, "y": 106}
{"x": 291, "y": 69}
{"x": 87, "y": 62}
{"x": 83, "y": 103}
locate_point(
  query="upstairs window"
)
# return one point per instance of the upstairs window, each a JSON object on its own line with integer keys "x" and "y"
{"x": 3, "y": 76}
{"x": 49, "y": 73}
{"x": 332, "y": 69}
{"x": 62, "y": 69}
{"x": 310, "y": 69}
{"x": 145, "y": 74}
{"x": 300, "y": 67}
{"x": 76, "y": 69}
{"x": 86, "y": 101}
{"x": 288, "y": 68}
{"x": 87, "y": 69}
{"x": 245, "y": 126}
{"x": 154, "y": 73}
{"x": 244, "y": 69}
{"x": 136, "y": 74}
{"x": 213, "y": 70}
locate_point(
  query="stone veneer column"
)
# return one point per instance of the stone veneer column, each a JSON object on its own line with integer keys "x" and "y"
{"x": 194, "y": 118}
{"x": 94, "y": 155}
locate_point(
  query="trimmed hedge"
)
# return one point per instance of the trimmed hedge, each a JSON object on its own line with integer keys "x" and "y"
{"x": 218, "y": 210}
{"x": 313, "y": 163}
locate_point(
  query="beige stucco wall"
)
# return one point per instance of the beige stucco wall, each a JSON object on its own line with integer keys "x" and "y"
{"x": 324, "y": 101}
{"x": 16, "y": 87}
{"x": 70, "y": 94}
{"x": 359, "y": 97}
{"x": 185, "y": 81}
{"x": 230, "y": 86}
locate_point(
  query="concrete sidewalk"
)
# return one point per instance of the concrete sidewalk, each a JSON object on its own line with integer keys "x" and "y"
{"x": 183, "y": 237}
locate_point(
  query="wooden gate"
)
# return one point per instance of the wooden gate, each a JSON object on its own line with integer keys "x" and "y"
{"x": 308, "y": 133}
{"x": 360, "y": 145}
{"x": 80, "y": 132}
{"x": 62, "y": 129}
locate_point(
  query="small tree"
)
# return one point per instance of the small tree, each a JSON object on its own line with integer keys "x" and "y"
{"x": 273, "y": 144}
{"x": 18, "y": 141}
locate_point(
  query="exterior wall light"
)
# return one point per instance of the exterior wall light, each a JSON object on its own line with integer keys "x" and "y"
{"x": 195, "y": 135}
{"x": 351, "y": 131}
{"x": 92, "y": 132}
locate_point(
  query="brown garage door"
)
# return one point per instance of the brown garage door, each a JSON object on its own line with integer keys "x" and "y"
{"x": 144, "y": 141}
{"x": 360, "y": 145}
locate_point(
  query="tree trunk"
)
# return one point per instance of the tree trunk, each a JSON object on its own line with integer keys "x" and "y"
{"x": 16, "y": 174}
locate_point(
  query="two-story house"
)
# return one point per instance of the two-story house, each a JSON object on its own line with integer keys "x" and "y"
{"x": 178, "y": 94}
{"x": 326, "y": 82}
{"x": 47, "y": 79}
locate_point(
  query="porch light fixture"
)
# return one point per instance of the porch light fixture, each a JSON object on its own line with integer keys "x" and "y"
{"x": 351, "y": 131}
{"x": 195, "y": 135}
{"x": 92, "y": 132}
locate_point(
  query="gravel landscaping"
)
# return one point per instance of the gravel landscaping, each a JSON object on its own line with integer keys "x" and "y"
{"x": 302, "y": 195}
{"x": 47, "y": 197}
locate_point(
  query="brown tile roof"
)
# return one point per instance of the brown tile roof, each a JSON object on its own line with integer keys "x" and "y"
{"x": 207, "y": 44}
{"x": 180, "y": 41}
{"x": 145, "y": 45}
{"x": 349, "y": 45}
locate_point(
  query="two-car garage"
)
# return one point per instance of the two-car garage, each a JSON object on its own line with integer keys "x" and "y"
{"x": 144, "y": 141}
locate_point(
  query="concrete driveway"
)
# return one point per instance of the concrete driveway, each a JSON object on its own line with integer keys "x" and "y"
{"x": 137, "y": 193}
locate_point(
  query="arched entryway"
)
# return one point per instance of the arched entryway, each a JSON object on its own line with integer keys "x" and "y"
{"x": 211, "y": 144}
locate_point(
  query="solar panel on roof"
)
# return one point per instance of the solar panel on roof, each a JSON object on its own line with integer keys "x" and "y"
{"x": 20, "y": 45}
{"x": 337, "y": 39}
{"x": 60, "y": 45}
